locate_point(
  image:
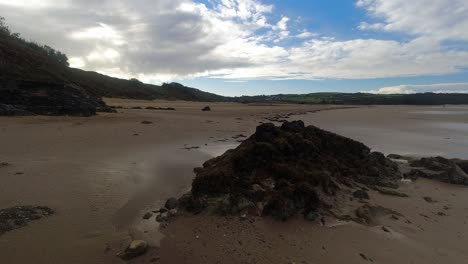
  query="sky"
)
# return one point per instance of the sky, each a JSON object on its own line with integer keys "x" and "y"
{"x": 249, "y": 47}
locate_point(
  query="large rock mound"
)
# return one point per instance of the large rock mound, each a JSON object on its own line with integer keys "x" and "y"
{"x": 44, "y": 98}
{"x": 281, "y": 171}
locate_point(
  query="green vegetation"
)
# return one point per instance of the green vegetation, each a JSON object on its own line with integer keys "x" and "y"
{"x": 52, "y": 54}
{"x": 359, "y": 99}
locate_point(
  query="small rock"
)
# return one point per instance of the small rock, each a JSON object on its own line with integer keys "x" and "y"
{"x": 390, "y": 192}
{"x": 163, "y": 217}
{"x": 428, "y": 199}
{"x": 361, "y": 194}
{"x": 172, "y": 212}
{"x": 384, "y": 228}
{"x": 135, "y": 249}
{"x": 394, "y": 217}
{"x": 206, "y": 108}
{"x": 171, "y": 203}
{"x": 146, "y": 122}
{"x": 312, "y": 216}
{"x": 147, "y": 216}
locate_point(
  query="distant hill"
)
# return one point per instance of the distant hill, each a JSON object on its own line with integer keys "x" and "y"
{"x": 28, "y": 61}
{"x": 359, "y": 99}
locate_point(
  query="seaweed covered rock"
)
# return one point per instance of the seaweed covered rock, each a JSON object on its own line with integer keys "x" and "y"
{"x": 453, "y": 171}
{"x": 45, "y": 98}
{"x": 19, "y": 216}
{"x": 282, "y": 171}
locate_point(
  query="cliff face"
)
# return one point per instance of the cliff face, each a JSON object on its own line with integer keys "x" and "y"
{"x": 47, "y": 98}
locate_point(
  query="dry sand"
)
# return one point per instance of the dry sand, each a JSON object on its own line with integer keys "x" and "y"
{"x": 103, "y": 173}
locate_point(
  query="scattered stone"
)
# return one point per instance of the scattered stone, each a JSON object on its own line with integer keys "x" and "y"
{"x": 441, "y": 214}
{"x": 171, "y": 203}
{"x": 162, "y": 217}
{"x": 19, "y": 216}
{"x": 172, "y": 212}
{"x": 385, "y": 229}
{"x": 447, "y": 170}
{"x": 394, "y": 156}
{"x": 390, "y": 192}
{"x": 239, "y": 136}
{"x": 146, "y": 122}
{"x": 361, "y": 194}
{"x": 394, "y": 217}
{"x": 4, "y": 164}
{"x": 147, "y": 216}
{"x": 135, "y": 249}
{"x": 206, "y": 108}
{"x": 369, "y": 214}
{"x": 155, "y": 259}
{"x": 160, "y": 108}
{"x": 428, "y": 199}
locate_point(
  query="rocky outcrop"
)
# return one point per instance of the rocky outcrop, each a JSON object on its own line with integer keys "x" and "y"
{"x": 453, "y": 171}
{"x": 282, "y": 171}
{"x": 43, "y": 98}
{"x": 19, "y": 216}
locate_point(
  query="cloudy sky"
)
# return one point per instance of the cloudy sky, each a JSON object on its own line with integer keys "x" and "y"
{"x": 235, "y": 47}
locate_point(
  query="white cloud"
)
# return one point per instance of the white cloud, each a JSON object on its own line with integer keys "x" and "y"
{"x": 306, "y": 35}
{"x": 240, "y": 39}
{"x": 420, "y": 88}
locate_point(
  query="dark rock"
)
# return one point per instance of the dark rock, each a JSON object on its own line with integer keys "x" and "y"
{"x": 146, "y": 122}
{"x": 9, "y": 110}
{"x": 385, "y": 229}
{"x": 135, "y": 249}
{"x": 428, "y": 199}
{"x": 312, "y": 216}
{"x": 160, "y": 108}
{"x": 442, "y": 169}
{"x": 288, "y": 169}
{"x": 394, "y": 156}
{"x": 206, "y": 108}
{"x": 162, "y": 217}
{"x": 19, "y": 216}
{"x": 390, "y": 192}
{"x": 370, "y": 214}
{"x": 147, "y": 216}
{"x": 171, "y": 203}
{"x": 47, "y": 98}
{"x": 361, "y": 194}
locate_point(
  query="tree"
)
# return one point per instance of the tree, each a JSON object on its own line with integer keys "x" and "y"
{"x": 3, "y": 27}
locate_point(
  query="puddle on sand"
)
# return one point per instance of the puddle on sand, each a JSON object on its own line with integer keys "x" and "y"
{"x": 163, "y": 173}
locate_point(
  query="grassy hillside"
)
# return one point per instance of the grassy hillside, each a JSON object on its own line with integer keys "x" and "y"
{"x": 28, "y": 61}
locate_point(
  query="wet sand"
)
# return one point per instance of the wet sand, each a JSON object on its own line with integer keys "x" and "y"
{"x": 103, "y": 173}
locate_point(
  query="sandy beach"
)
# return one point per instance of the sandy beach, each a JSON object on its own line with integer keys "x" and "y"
{"x": 101, "y": 174}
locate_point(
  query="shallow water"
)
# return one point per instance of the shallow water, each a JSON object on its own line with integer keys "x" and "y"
{"x": 406, "y": 130}
{"x": 169, "y": 173}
